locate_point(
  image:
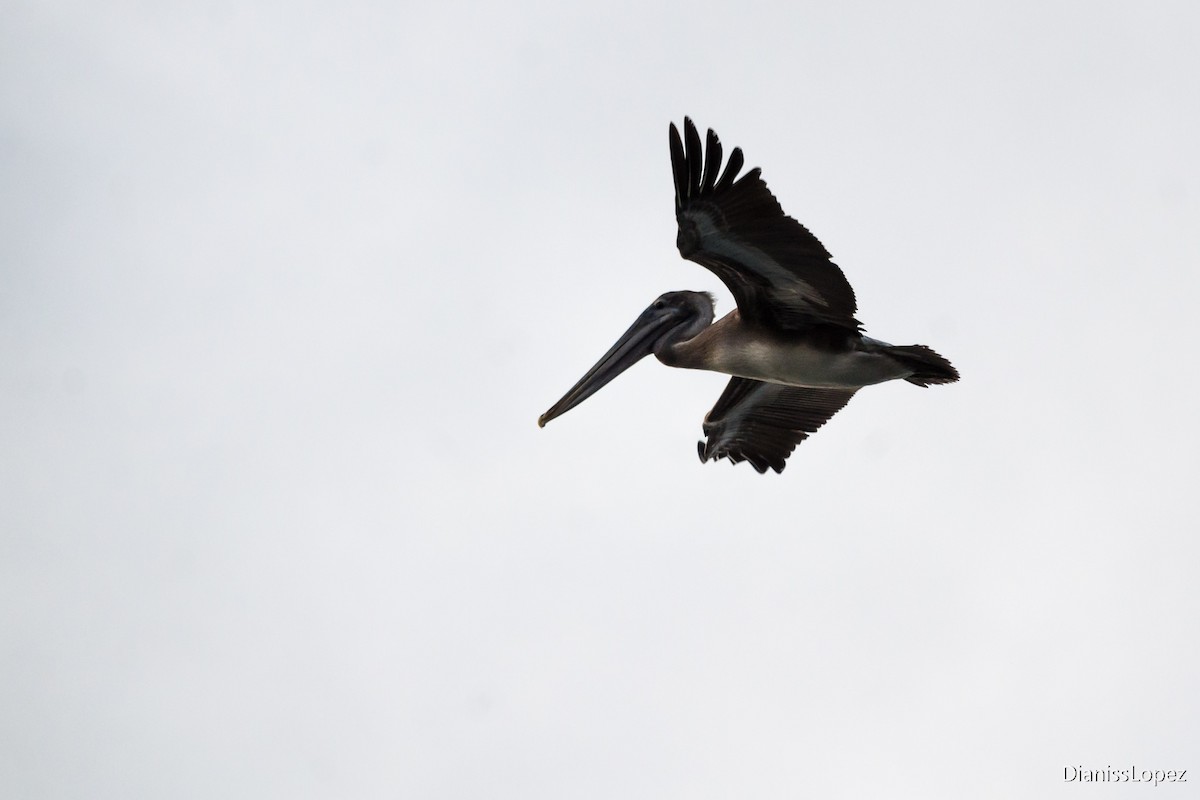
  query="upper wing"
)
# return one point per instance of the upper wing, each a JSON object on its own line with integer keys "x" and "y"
{"x": 763, "y": 422}
{"x": 780, "y": 275}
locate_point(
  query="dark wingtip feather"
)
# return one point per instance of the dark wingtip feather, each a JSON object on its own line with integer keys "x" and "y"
{"x": 712, "y": 162}
{"x": 751, "y": 176}
{"x": 695, "y": 158}
{"x": 678, "y": 167}
{"x": 736, "y": 161}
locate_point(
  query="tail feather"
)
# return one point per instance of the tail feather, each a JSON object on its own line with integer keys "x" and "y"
{"x": 928, "y": 367}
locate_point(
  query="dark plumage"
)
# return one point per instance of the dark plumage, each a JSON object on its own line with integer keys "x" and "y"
{"x": 793, "y": 345}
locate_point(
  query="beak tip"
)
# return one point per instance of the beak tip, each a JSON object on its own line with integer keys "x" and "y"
{"x": 542, "y": 421}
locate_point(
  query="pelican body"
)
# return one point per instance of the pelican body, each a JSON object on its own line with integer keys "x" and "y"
{"x": 795, "y": 351}
{"x": 735, "y": 348}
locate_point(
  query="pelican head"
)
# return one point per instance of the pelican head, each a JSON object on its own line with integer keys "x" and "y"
{"x": 673, "y": 318}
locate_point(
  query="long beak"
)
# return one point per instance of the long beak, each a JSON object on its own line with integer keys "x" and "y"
{"x": 637, "y": 343}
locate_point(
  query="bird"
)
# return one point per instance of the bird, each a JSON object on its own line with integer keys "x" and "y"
{"x": 793, "y": 347}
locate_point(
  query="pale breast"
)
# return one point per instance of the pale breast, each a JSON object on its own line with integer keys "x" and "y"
{"x": 800, "y": 364}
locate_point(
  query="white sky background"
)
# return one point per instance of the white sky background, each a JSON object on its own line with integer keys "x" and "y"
{"x": 284, "y": 288}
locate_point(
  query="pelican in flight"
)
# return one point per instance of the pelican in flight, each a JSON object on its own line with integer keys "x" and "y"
{"x": 795, "y": 351}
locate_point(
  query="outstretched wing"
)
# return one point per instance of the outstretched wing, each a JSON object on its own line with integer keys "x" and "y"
{"x": 763, "y": 422}
{"x": 780, "y": 275}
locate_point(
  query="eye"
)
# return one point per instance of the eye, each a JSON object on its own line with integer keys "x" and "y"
{"x": 659, "y": 304}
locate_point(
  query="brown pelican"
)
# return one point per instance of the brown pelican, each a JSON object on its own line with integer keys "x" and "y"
{"x": 795, "y": 350}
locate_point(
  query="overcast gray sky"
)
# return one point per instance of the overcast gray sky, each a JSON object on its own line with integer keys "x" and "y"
{"x": 284, "y": 288}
